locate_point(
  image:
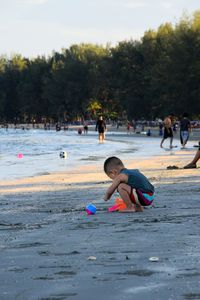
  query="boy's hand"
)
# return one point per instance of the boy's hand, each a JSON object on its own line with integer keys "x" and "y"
{"x": 106, "y": 197}
{"x": 120, "y": 178}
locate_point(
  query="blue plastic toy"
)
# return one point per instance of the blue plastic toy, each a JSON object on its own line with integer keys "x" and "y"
{"x": 91, "y": 209}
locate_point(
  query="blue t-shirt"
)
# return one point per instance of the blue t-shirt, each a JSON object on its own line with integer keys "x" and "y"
{"x": 138, "y": 181}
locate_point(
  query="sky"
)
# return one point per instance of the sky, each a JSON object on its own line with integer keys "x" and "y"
{"x": 39, "y": 27}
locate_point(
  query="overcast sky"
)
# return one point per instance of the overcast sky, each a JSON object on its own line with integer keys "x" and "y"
{"x": 37, "y": 27}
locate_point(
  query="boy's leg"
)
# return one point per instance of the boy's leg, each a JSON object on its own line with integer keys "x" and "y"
{"x": 138, "y": 206}
{"x": 125, "y": 193}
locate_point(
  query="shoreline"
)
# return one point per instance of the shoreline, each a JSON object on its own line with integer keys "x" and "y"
{"x": 194, "y": 135}
{"x": 151, "y": 166}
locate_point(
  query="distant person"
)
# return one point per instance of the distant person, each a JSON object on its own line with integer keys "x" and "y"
{"x": 193, "y": 163}
{"x": 128, "y": 127}
{"x": 134, "y": 188}
{"x": 80, "y": 131}
{"x": 143, "y": 127}
{"x": 148, "y": 132}
{"x": 66, "y": 127}
{"x": 46, "y": 126}
{"x": 168, "y": 132}
{"x": 101, "y": 128}
{"x": 134, "y": 125}
{"x": 185, "y": 128}
{"x": 85, "y": 128}
{"x": 58, "y": 127}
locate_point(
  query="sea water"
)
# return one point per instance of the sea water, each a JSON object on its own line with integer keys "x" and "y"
{"x": 41, "y": 150}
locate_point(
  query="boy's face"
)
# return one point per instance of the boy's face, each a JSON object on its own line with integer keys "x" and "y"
{"x": 112, "y": 174}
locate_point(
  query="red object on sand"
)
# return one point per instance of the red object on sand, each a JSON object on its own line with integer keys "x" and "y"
{"x": 113, "y": 208}
{"x": 119, "y": 205}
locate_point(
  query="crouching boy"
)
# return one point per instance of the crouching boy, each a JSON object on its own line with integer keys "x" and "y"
{"x": 134, "y": 188}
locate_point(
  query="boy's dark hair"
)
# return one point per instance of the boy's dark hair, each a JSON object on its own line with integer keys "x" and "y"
{"x": 111, "y": 163}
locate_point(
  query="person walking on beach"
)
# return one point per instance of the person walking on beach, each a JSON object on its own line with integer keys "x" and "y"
{"x": 168, "y": 132}
{"x": 185, "y": 127}
{"x": 101, "y": 128}
{"x": 85, "y": 128}
{"x": 133, "y": 187}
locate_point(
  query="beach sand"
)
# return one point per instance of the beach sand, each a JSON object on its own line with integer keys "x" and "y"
{"x": 47, "y": 238}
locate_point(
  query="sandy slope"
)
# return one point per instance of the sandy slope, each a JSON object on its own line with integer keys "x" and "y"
{"x": 46, "y": 237}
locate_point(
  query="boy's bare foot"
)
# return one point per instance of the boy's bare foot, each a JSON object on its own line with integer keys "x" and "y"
{"x": 136, "y": 208}
{"x": 139, "y": 208}
{"x": 128, "y": 210}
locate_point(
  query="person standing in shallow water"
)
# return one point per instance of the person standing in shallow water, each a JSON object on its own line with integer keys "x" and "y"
{"x": 101, "y": 128}
{"x": 168, "y": 132}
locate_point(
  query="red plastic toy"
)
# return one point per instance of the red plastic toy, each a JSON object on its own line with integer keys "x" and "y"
{"x": 119, "y": 205}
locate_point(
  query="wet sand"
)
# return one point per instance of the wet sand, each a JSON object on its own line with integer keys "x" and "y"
{"x": 46, "y": 237}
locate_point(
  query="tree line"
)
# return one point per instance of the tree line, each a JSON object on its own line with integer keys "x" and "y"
{"x": 146, "y": 79}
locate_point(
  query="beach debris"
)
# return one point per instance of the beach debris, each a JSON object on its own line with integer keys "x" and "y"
{"x": 91, "y": 209}
{"x": 91, "y": 258}
{"x": 19, "y": 155}
{"x": 154, "y": 258}
{"x": 73, "y": 253}
{"x": 155, "y": 220}
{"x": 172, "y": 167}
{"x": 63, "y": 154}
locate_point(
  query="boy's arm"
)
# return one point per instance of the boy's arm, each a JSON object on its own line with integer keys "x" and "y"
{"x": 119, "y": 179}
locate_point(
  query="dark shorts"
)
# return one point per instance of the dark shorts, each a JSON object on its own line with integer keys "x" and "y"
{"x": 168, "y": 133}
{"x": 101, "y": 130}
